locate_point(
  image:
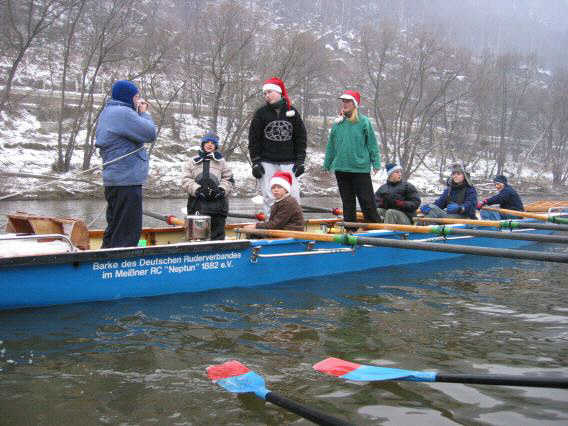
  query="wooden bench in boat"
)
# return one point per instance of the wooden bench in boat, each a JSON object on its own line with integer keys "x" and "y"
{"x": 26, "y": 223}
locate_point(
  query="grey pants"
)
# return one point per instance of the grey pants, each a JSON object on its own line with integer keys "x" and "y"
{"x": 394, "y": 216}
{"x": 437, "y": 212}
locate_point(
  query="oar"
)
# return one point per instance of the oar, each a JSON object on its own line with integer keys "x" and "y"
{"x": 169, "y": 219}
{"x": 172, "y": 220}
{"x": 236, "y": 377}
{"x": 353, "y": 240}
{"x": 446, "y": 231}
{"x": 505, "y": 224}
{"x": 334, "y": 211}
{"x": 258, "y": 216}
{"x": 543, "y": 217}
{"x": 371, "y": 373}
{"x": 314, "y": 209}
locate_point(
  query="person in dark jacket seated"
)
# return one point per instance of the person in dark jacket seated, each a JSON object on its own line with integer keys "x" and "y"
{"x": 397, "y": 200}
{"x": 507, "y": 198}
{"x": 285, "y": 213}
{"x": 459, "y": 199}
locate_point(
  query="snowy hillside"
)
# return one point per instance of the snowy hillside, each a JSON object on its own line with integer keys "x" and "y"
{"x": 28, "y": 147}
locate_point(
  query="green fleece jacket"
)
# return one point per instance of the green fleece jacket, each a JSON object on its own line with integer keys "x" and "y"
{"x": 352, "y": 147}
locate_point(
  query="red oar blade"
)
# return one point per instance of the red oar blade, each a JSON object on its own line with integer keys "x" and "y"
{"x": 236, "y": 377}
{"x": 370, "y": 373}
{"x": 336, "y": 367}
{"x": 226, "y": 370}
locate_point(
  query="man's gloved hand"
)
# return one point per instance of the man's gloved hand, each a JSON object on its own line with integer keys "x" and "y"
{"x": 399, "y": 204}
{"x": 425, "y": 209}
{"x": 201, "y": 193}
{"x": 453, "y": 208}
{"x": 298, "y": 169}
{"x": 387, "y": 200}
{"x": 218, "y": 193}
{"x": 257, "y": 170}
{"x": 481, "y": 204}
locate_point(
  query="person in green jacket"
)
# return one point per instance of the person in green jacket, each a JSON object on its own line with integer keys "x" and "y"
{"x": 351, "y": 151}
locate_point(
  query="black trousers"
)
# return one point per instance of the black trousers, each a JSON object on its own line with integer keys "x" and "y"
{"x": 357, "y": 186}
{"x": 123, "y": 215}
{"x": 218, "y": 227}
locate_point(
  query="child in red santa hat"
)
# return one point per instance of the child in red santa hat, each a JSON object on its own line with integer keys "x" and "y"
{"x": 285, "y": 213}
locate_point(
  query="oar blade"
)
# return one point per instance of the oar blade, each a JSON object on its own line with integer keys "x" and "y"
{"x": 237, "y": 378}
{"x": 370, "y": 373}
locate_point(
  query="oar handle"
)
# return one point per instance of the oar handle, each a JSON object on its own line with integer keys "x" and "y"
{"x": 170, "y": 220}
{"x": 313, "y": 209}
{"x": 258, "y": 216}
{"x": 494, "y": 379}
{"x": 306, "y": 412}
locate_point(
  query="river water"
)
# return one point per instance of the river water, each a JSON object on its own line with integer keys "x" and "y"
{"x": 142, "y": 361}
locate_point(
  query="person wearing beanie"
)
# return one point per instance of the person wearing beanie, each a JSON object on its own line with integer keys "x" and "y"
{"x": 507, "y": 198}
{"x": 123, "y": 128}
{"x": 208, "y": 181}
{"x": 351, "y": 152}
{"x": 285, "y": 212}
{"x": 277, "y": 140}
{"x": 458, "y": 200}
{"x": 397, "y": 200}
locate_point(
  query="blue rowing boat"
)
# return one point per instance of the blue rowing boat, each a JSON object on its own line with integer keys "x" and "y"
{"x": 181, "y": 267}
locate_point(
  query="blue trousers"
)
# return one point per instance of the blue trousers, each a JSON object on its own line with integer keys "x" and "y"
{"x": 491, "y": 215}
{"x": 123, "y": 215}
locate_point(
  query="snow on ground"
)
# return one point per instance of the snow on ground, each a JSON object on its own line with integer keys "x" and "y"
{"x": 28, "y": 145}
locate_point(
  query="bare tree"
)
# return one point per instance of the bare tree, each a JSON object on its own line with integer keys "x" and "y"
{"x": 23, "y": 21}
{"x": 69, "y": 31}
{"x": 226, "y": 32}
{"x": 553, "y": 122}
{"x": 409, "y": 74}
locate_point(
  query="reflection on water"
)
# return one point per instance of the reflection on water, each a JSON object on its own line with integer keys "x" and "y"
{"x": 142, "y": 361}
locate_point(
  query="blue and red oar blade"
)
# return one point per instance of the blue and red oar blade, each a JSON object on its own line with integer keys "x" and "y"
{"x": 236, "y": 377}
{"x": 370, "y": 373}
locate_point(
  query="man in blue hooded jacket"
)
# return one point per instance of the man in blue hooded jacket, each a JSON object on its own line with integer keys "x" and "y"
{"x": 123, "y": 128}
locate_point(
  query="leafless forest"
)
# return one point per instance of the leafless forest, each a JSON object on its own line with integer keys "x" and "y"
{"x": 444, "y": 80}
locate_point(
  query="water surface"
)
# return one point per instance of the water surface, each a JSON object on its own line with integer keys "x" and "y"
{"x": 142, "y": 361}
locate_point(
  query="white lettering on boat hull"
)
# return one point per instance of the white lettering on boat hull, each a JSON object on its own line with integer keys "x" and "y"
{"x": 165, "y": 265}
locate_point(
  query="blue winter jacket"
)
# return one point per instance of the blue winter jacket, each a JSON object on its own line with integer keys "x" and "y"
{"x": 469, "y": 203}
{"x": 507, "y": 198}
{"x": 121, "y": 130}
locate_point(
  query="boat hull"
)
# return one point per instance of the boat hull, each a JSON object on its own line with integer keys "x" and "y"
{"x": 103, "y": 275}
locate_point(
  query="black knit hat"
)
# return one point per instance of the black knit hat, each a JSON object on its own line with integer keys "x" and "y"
{"x": 500, "y": 179}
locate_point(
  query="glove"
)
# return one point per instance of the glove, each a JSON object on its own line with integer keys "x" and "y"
{"x": 481, "y": 204}
{"x": 425, "y": 209}
{"x": 453, "y": 208}
{"x": 201, "y": 193}
{"x": 257, "y": 170}
{"x": 298, "y": 169}
{"x": 218, "y": 193}
{"x": 400, "y": 204}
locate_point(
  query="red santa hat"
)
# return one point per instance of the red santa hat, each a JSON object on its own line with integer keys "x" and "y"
{"x": 277, "y": 85}
{"x": 282, "y": 178}
{"x": 352, "y": 95}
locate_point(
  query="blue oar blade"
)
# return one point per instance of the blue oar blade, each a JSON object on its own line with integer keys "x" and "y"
{"x": 236, "y": 377}
{"x": 370, "y": 373}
